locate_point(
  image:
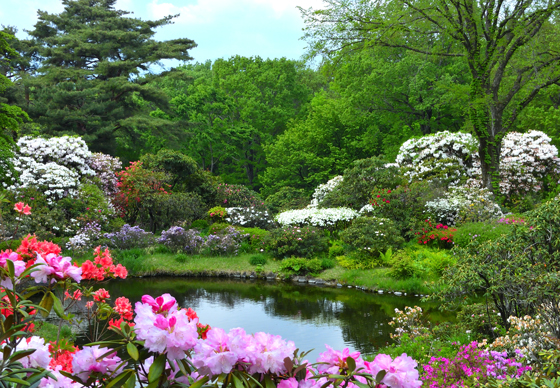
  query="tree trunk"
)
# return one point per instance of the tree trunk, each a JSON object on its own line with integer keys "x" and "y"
{"x": 489, "y": 151}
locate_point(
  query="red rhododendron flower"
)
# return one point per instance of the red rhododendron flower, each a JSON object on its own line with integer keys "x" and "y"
{"x": 124, "y": 308}
{"x": 101, "y": 295}
{"x": 22, "y": 208}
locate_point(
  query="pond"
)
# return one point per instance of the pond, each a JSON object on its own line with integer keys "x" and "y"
{"x": 308, "y": 315}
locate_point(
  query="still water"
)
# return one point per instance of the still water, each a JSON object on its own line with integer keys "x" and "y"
{"x": 310, "y": 316}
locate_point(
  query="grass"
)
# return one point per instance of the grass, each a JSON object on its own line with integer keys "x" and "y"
{"x": 49, "y": 331}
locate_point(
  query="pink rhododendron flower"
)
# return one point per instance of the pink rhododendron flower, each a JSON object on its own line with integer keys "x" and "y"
{"x": 19, "y": 267}
{"x": 267, "y": 352}
{"x": 213, "y": 356}
{"x": 22, "y": 208}
{"x": 401, "y": 372}
{"x": 60, "y": 382}
{"x": 85, "y": 362}
{"x": 56, "y": 268}
{"x": 336, "y": 360}
{"x": 289, "y": 383}
{"x": 164, "y": 328}
{"x": 38, "y": 359}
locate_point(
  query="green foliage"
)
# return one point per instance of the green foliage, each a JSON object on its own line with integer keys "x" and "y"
{"x": 257, "y": 236}
{"x": 296, "y": 241}
{"x": 164, "y": 211}
{"x": 479, "y": 231}
{"x": 9, "y": 244}
{"x": 367, "y": 237}
{"x": 434, "y": 261}
{"x": 328, "y": 263}
{"x": 237, "y": 196}
{"x": 200, "y": 224}
{"x": 402, "y": 266}
{"x": 336, "y": 249}
{"x": 360, "y": 180}
{"x": 301, "y": 266}
{"x": 132, "y": 259}
{"x": 287, "y": 198}
{"x": 49, "y": 332}
{"x": 180, "y": 168}
{"x": 218, "y": 227}
{"x": 479, "y": 321}
{"x": 257, "y": 260}
{"x": 181, "y": 258}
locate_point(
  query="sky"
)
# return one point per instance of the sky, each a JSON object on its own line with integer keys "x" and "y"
{"x": 221, "y": 28}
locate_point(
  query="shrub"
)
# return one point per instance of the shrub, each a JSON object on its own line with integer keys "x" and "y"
{"x": 132, "y": 259}
{"x": 218, "y": 227}
{"x": 200, "y": 224}
{"x": 359, "y": 181}
{"x": 130, "y": 237}
{"x": 178, "y": 239}
{"x": 322, "y": 190}
{"x": 436, "y": 235}
{"x": 328, "y": 263}
{"x": 336, "y": 249}
{"x": 296, "y": 241}
{"x": 479, "y": 231}
{"x": 106, "y": 167}
{"x": 217, "y": 214}
{"x": 287, "y": 198}
{"x": 301, "y": 266}
{"x": 257, "y": 236}
{"x": 181, "y": 258}
{"x": 257, "y": 260}
{"x": 225, "y": 243}
{"x": 402, "y": 266}
{"x": 349, "y": 262}
{"x": 163, "y": 211}
{"x": 369, "y": 236}
{"x": 431, "y": 260}
{"x": 179, "y": 167}
{"x": 255, "y": 217}
{"x": 85, "y": 239}
{"x": 405, "y": 205}
{"x": 237, "y": 196}
{"x": 330, "y": 219}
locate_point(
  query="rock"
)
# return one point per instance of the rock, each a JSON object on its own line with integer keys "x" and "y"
{"x": 398, "y": 293}
{"x": 349, "y": 286}
{"x": 339, "y": 285}
{"x": 302, "y": 280}
{"x": 380, "y": 291}
{"x": 312, "y": 281}
{"x": 319, "y": 281}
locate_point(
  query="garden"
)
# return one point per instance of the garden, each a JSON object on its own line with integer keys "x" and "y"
{"x": 72, "y": 219}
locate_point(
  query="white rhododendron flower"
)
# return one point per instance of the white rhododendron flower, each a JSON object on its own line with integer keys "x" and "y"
{"x": 316, "y": 217}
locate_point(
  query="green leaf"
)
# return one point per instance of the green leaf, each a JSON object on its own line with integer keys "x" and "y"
{"x": 16, "y": 380}
{"x": 199, "y": 383}
{"x": 11, "y": 268}
{"x": 132, "y": 351}
{"x": 46, "y": 304}
{"x": 380, "y": 376}
{"x": 131, "y": 382}
{"x": 58, "y": 308}
{"x": 157, "y": 368}
{"x": 351, "y": 364}
{"x": 120, "y": 379}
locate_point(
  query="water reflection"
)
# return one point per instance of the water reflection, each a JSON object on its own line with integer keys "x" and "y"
{"x": 309, "y": 316}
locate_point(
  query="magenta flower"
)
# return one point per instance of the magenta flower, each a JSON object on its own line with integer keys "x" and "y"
{"x": 162, "y": 304}
{"x": 336, "y": 360}
{"x": 56, "y": 268}
{"x": 213, "y": 355}
{"x": 401, "y": 372}
{"x": 19, "y": 267}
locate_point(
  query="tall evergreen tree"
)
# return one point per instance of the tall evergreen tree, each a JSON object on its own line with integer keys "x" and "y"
{"x": 95, "y": 73}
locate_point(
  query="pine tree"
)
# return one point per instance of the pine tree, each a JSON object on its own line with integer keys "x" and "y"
{"x": 95, "y": 73}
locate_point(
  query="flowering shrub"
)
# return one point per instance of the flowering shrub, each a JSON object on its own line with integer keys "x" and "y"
{"x": 526, "y": 160}
{"x": 106, "y": 167}
{"x": 408, "y": 322}
{"x": 296, "y": 241}
{"x": 332, "y": 219}
{"x": 480, "y": 232}
{"x": 252, "y": 217}
{"x": 322, "y": 190}
{"x": 471, "y": 367}
{"x": 285, "y": 199}
{"x": 102, "y": 267}
{"x": 217, "y": 214}
{"x": 225, "y": 243}
{"x": 180, "y": 240}
{"x": 130, "y": 237}
{"x": 86, "y": 237}
{"x": 237, "y": 196}
{"x": 436, "y": 235}
{"x": 464, "y": 204}
{"x": 370, "y": 236}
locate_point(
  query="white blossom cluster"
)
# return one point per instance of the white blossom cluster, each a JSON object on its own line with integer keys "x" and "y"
{"x": 85, "y": 238}
{"x": 323, "y": 218}
{"x": 525, "y": 160}
{"x": 462, "y": 203}
{"x": 322, "y": 190}
{"x": 105, "y": 167}
{"x": 449, "y": 156}
{"x": 248, "y": 217}
{"x": 54, "y": 166}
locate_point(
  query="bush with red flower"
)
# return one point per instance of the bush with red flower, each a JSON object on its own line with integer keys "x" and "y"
{"x": 436, "y": 235}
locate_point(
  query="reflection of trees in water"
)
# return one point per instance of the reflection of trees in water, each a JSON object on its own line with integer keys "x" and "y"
{"x": 363, "y": 317}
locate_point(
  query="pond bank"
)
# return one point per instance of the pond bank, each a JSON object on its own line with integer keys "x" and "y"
{"x": 238, "y": 267}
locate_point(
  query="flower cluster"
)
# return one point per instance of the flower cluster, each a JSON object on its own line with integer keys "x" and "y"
{"x": 93, "y": 360}
{"x": 130, "y": 237}
{"x": 179, "y": 239}
{"x": 305, "y": 241}
{"x": 102, "y": 267}
{"x": 30, "y": 247}
{"x": 225, "y": 243}
{"x": 471, "y": 367}
{"x": 85, "y": 238}
{"x": 510, "y": 220}
{"x": 252, "y": 217}
{"x": 322, "y": 190}
{"x": 408, "y": 322}
{"x": 106, "y": 167}
{"x": 322, "y": 218}
{"x": 53, "y": 268}
{"x": 55, "y": 165}
{"x": 464, "y": 204}
{"x": 440, "y": 235}
{"x": 19, "y": 267}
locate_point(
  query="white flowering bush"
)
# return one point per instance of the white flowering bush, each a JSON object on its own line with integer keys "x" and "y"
{"x": 85, "y": 238}
{"x": 526, "y": 160}
{"x": 251, "y": 217}
{"x": 53, "y": 166}
{"x": 448, "y": 156}
{"x": 464, "y": 204}
{"x": 330, "y": 218}
{"x": 322, "y": 190}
